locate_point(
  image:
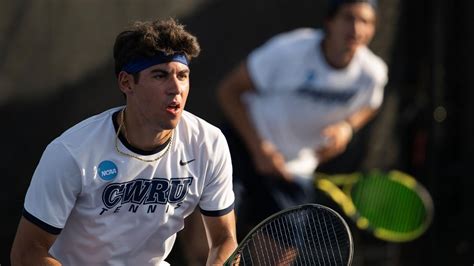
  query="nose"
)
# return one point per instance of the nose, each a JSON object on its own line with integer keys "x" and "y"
{"x": 175, "y": 86}
{"x": 354, "y": 26}
{"x": 358, "y": 27}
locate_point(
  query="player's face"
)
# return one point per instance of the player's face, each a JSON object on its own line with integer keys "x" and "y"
{"x": 160, "y": 94}
{"x": 352, "y": 26}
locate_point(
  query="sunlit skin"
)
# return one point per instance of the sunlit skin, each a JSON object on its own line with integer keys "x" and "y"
{"x": 351, "y": 27}
{"x": 155, "y": 103}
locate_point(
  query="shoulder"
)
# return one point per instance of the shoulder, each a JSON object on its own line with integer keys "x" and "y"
{"x": 199, "y": 135}
{"x": 292, "y": 41}
{"x": 373, "y": 64}
{"x": 87, "y": 129}
{"x": 271, "y": 59}
{"x": 196, "y": 127}
{"x": 296, "y": 36}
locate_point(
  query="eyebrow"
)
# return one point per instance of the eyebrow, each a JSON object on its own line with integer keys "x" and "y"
{"x": 157, "y": 70}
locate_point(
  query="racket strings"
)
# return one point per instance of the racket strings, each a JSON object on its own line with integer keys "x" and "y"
{"x": 303, "y": 237}
{"x": 388, "y": 204}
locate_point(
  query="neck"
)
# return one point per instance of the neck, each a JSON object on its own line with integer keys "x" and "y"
{"x": 336, "y": 56}
{"x": 140, "y": 136}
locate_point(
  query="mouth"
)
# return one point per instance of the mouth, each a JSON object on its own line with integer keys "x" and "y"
{"x": 173, "y": 108}
{"x": 353, "y": 40}
{"x": 352, "y": 44}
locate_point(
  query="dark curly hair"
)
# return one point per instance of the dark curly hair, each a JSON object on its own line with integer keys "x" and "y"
{"x": 335, "y": 5}
{"x": 146, "y": 39}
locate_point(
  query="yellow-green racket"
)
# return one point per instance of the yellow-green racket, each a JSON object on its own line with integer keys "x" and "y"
{"x": 391, "y": 205}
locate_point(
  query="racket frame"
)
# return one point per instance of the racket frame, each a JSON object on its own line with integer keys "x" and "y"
{"x": 331, "y": 184}
{"x": 272, "y": 217}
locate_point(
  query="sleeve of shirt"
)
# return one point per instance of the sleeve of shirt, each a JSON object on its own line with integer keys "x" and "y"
{"x": 380, "y": 80}
{"x": 377, "y": 96}
{"x": 373, "y": 83}
{"x": 264, "y": 63}
{"x": 218, "y": 196}
{"x": 53, "y": 189}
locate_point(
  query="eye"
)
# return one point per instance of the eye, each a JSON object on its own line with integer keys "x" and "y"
{"x": 348, "y": 18}
{"x": 160, "y": 75}
{"x": 183, "y": 75}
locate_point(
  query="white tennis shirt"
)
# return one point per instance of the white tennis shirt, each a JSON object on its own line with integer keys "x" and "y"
{"x": 111, "y": 209}
{"x": 298, "y": 93}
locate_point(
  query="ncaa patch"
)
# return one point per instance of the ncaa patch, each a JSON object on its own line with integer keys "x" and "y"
{"x": 107, "y": 170}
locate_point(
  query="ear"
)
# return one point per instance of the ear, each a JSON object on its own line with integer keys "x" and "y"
{"x": 125, "y": 82}
{"x": 326, "y": 24}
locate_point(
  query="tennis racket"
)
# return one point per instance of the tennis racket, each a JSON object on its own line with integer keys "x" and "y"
{"x": 392, "y": 205}
{"x": 309, "y": 234}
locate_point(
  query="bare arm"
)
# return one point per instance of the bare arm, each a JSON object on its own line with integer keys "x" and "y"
{"x": 31, "y": 245}
{"x": 266, "y": 157}
{"x": 360, "y": 118}
{"x": 340, "y": 134}
{"x": 221, "y": 236}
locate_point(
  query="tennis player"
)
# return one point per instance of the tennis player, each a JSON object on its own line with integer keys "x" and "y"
{"x": 115, "y": 188}
{"x": 295, "y": 102}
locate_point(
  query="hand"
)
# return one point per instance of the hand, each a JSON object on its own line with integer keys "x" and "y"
{"x": 338, "y": 136}
{"x": 269, "y": 161}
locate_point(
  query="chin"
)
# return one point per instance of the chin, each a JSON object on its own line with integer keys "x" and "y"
{"x": 172, "y": 124}
{"x": 352, "y": 47}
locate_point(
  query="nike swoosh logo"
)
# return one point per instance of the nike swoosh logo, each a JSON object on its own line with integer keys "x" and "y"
{"x": 185, "y": 163}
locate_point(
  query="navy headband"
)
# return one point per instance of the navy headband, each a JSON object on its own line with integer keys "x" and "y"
{"x": 138, "y": 64}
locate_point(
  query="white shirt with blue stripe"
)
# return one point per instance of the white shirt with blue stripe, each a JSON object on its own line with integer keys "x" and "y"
{"x": 111, "y": 209}
{"x": 298, "y": 93}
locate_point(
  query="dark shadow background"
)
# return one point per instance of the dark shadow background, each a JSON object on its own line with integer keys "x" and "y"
{"x": 425, "y": 126}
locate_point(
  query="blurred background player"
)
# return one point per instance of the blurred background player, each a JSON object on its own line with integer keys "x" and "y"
{"x": 296, "y": 102}
{"x": 115, "y": 188}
